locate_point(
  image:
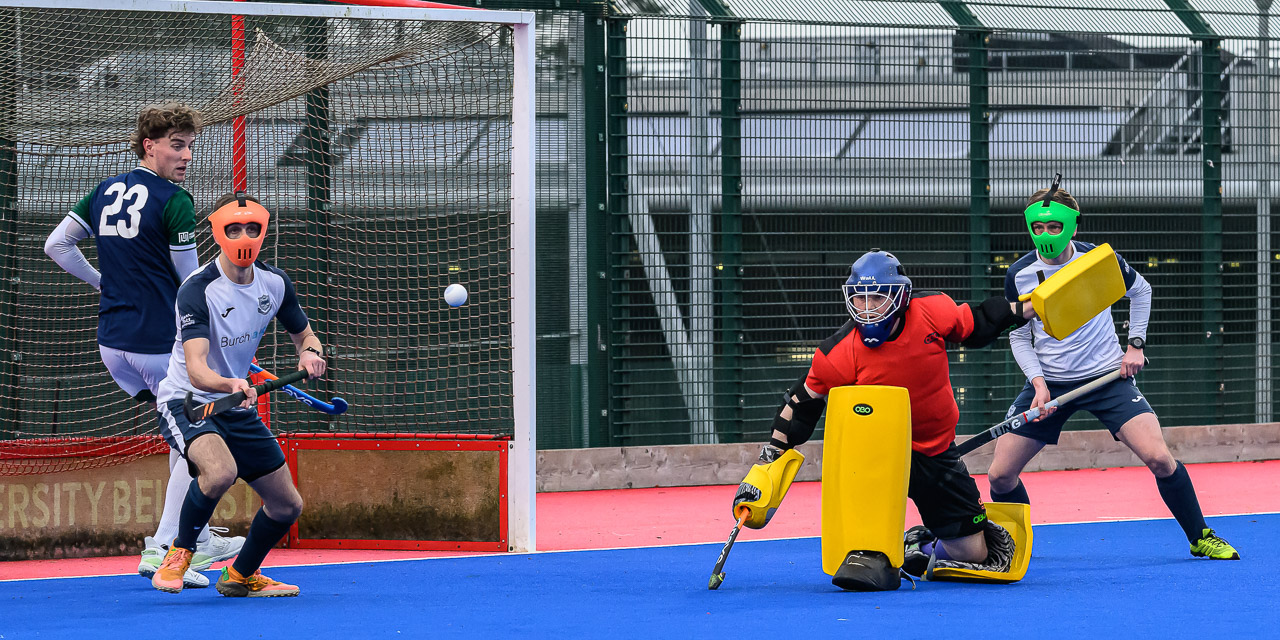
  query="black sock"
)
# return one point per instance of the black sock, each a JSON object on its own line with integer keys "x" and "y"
{"x": 264, "y": 533}
{"x": 1180, "y": 496}
{"x": 1017, "y": 494}
{"x": 197, "y": 508}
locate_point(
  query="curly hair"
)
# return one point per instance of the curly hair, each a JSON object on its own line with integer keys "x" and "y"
{"x": 159, "y": 120}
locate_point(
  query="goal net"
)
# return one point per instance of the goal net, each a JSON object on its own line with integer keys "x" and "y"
{"x": 394, "y": 149}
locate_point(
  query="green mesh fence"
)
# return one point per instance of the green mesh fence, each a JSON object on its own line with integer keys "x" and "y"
{"x": 767, "y": 146}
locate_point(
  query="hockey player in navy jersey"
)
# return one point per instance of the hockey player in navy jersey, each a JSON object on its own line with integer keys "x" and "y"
{"x": 223, "y": 310}
{"x": 1055, "y": 366}
{"x": 144, "y": 226}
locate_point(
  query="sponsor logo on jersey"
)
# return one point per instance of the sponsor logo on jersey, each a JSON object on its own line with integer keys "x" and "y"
{"x": 264, "y": 304}
{"x": 225, "y": 341}
{"x": 229, "y": 310}
{"x": 862, "y": 409}
{"x": 932, "y": 338}
{"x": 187, "y": 321}
{"x": 186, "y": 236}
{"x": 245, "y": 338}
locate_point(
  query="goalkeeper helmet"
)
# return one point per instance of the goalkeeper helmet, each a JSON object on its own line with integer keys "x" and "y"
{"x": 1045, "y": 210}
{"x": 243, "y": 249}
{"x": 876, "y": 294}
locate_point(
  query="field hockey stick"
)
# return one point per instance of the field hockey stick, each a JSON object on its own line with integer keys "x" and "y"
{"x": 196, "y": 413}
{"x": 717, "y": 575}
{"x": 333, "y": 407}
{"x": 968, "y": 446}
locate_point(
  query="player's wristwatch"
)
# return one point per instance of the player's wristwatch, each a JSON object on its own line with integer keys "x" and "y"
{"x": 317, "y": 351}
{"x": 1137, "y": 343}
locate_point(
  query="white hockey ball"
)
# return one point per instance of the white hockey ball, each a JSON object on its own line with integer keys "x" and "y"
{"x": 456, "y": 295}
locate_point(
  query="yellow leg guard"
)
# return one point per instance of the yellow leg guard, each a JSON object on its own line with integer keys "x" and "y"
{"x": 1016, "y": 519}
{"x": 770, "y": 482}
{"x": 866, "y": 462}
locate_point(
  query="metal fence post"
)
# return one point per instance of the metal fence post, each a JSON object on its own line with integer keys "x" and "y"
{"x": 1211, "y": 214}
{"x": 976, "y": 39}
{"x": 1265, "y": 341}
{"x": 594, "y": 378}
{"x": 616, "y": 210}
{"x": 730, "y": 401}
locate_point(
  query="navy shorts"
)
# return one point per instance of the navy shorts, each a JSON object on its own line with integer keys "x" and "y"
{"x": 1113, "y": 405}
{"x": 252, "y": 445}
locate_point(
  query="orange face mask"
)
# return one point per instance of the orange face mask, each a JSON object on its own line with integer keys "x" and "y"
{"x": 241, "y": 251}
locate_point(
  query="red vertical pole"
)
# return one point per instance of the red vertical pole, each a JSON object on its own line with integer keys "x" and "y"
{"x": 239, "y": 165}
{"x": 239, "y": 162}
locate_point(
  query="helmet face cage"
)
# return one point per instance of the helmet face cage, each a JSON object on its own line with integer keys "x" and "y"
{"x": 1050, "y": 245}
{"x": 879, "y": 301}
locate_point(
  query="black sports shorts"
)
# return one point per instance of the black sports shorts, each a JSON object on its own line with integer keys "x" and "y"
{"x": 946, "y": 495}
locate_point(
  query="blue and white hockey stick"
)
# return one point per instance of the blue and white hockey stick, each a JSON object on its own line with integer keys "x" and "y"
{"x": 333, "y": 407}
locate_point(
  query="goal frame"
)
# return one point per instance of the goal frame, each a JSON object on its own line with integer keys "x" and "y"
{"x": 522, "y": 469}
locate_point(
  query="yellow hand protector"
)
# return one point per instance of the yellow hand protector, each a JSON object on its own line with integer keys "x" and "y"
{"x": 764, "y": 488}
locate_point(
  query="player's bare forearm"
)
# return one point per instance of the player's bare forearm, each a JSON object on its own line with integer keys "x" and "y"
{"x": 310, "y": 352}
{"x": 196, "y": 353}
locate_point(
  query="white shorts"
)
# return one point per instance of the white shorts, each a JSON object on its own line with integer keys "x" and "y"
{"x": 135, "y": 371}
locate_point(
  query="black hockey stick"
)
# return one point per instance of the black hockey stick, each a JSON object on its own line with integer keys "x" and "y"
{"x": 968, "y": 446}
{"x": 717, "y": 575}
{"x": 196, "y": 413}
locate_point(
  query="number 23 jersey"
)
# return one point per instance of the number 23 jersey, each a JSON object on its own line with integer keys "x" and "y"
{"x": 136, "y": 218}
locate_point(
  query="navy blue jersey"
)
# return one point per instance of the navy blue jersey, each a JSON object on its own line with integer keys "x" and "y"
{"x": 136, "y": 218}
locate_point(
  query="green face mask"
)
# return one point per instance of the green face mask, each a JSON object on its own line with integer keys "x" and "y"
{"x": 1052, "y": 245}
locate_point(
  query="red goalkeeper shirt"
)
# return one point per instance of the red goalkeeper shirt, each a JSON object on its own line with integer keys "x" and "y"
{"x": 916, "y": 360}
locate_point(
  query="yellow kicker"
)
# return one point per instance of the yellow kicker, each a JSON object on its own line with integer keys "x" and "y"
{"x": 1016, "y": 518}
{"x": 1079, "y": 291}
{"x": 866, "y": 463}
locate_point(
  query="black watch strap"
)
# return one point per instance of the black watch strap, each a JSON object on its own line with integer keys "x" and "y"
{"x": 1137, "y": 343}
{"x": 315, "y": 351}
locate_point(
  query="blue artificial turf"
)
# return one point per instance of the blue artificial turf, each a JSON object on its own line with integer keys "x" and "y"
{"x": 1100, "y": 579}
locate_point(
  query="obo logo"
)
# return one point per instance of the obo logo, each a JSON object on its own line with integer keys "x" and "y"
{"x": 862, "y": 409}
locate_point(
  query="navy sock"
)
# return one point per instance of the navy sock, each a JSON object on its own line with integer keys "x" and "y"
{"x": 197, "y": 508}
{"x": 1017, "y": 494}
{"x": 1180, "y": 496}
{"x": 264, "y": 533}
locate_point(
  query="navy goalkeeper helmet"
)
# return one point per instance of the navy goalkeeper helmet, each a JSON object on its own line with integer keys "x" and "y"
{"x": 876, "y": 294}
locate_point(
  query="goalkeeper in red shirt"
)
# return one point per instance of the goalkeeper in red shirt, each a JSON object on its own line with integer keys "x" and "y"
{"x": 898, "y": 338}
